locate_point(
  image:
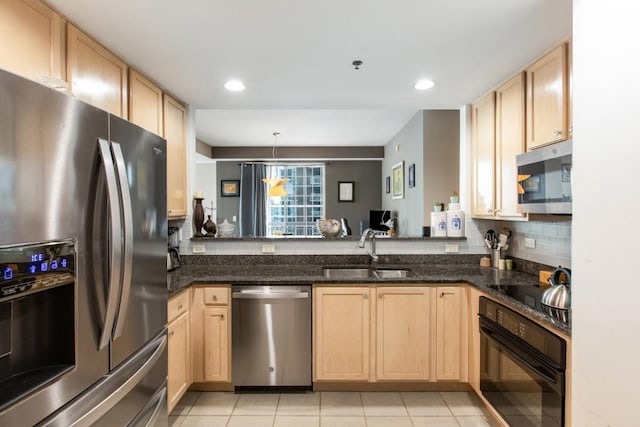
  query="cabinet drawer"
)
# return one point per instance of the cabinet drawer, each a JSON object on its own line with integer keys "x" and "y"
{"x": 216, "y": 296}
{"x": 177, "y": 305}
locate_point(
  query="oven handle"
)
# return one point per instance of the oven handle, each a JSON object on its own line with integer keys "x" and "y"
{"x": 491, "y": 334}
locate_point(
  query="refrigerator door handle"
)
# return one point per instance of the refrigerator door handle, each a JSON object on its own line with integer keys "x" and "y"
{"x": 115, "y": 245}
{"x": 157, "y": 404}
{"x": 98, "y": 410}
{"x": 128, "y": 238}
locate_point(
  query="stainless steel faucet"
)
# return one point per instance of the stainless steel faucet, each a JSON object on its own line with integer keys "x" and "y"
{"x": 369, "y": 234}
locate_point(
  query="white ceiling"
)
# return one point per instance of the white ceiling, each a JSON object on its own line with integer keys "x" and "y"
{"x": 296, "y": 55}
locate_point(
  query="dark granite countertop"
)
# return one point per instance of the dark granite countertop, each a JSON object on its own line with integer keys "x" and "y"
{"x": 487, "y": 280}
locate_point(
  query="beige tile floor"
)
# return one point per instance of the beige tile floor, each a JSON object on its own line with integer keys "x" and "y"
{"x": 331, "y": 409}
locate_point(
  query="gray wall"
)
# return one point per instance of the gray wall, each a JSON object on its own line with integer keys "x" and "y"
{"x": 431, "y": 141}
{"x": 409, "y": 210}
{"x": 227, "y": 207}
{"x": 367, "y": 190}
{"x": 441, "y": 158}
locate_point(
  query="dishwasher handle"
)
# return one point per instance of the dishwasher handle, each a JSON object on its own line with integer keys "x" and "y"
{"x": 270, "y": 295}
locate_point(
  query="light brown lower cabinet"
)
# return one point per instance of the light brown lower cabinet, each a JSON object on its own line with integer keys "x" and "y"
{"x": 402, "y": 320}
{"x": 452, "y": 344}
{"x": 404, "y": 333}
{"x": 211, "y": 334}
{"x": 341, "y": 330}
{"x": 178, "y": 349}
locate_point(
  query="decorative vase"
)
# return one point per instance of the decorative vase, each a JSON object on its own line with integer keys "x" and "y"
{"x": 210, "y": 226}
{"x": 198, "y": 216}
{"x": 453, "y": 199}
{"x": 437, "y": 208}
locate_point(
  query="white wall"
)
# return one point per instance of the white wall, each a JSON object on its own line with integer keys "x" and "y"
{"x": 606, "y": 289}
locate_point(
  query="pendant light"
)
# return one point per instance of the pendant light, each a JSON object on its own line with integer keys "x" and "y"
{"x": 276, "y": 184}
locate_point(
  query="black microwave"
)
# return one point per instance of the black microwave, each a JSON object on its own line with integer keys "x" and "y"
{"x": 544, "y": 179}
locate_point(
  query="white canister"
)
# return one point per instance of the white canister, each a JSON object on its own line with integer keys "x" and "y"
{"x": 438, "y": 224}
{"x": 455, "y": 223}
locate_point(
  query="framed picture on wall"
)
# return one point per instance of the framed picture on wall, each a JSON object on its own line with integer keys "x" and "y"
{"x": 397, "y": 176}
{"x": 412, "y": 175}
{"x": 345, "y": 191}
{"x": 387, "y": 182}
{"x": 230, "y": 188}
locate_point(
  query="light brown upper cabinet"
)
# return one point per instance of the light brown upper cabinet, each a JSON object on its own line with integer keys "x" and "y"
{"x": 403, "y": 333}
{"x": 483, "y": 135}
{"x": 510, "y": 131}
{"x": 498, "y": 135}
{"x": 145, "y": 103}
{"x": 547, "y": 99}
{"x": 175, "y": 120}
{"x": 96, "y": 75}
{"x": 33, "y": 40}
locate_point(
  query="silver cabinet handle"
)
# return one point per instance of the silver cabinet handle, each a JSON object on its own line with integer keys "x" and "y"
{"x": 365, "y": 295}
{"x": 179, "y": 307}
{"x": 557, "y": 133}
{"x": 446, "y": 293}
{"x": 380, "y": 295}
{"x": 215, "y": 298}
{"x": 221, "y": 316}
{"x": 128, "y": 238}
{"x": 115, "y": 261}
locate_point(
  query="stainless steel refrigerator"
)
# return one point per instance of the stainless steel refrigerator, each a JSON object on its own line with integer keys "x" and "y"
{"x": 83, "y": 236}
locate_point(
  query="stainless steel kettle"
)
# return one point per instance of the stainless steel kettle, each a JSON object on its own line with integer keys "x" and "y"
{"x": 558, "y": 295}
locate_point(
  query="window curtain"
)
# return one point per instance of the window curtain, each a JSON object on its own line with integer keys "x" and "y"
{"x": 253, "y": 209}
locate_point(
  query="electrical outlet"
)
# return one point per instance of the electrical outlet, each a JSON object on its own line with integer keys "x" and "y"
{"x": 268, "y": 249}
{"x": 199, "y": 249}
{"x": 450, "y": 248}
{"x": 235, "y": 219}
{"x": 530, "y": 243}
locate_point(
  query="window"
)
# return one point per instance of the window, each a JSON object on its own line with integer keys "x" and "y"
{"x": 296, "y": 214}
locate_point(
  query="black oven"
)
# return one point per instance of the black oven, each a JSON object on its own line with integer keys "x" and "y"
{"x": 522, "y": 368}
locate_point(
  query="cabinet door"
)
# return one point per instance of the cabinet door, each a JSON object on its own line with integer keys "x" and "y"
{"x": 451, "y": 336}
{"x": 174, "y": 132}
{"x": 547, "y": 99}
{"x": 216, "y": 344}
{"x": 402, "y": 338}
{"x": 510, "y": 136}
{"x": 96, "y": 75}
{"x": 341, "y": 333}
{"x": 145, "y": 103}
{"x": 483, "y": 156}
{"x": 178, "y": 373}
{"x": 32, "y": 40}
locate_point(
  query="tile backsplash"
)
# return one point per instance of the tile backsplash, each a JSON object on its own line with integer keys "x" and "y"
{"x": 552, "y": 240}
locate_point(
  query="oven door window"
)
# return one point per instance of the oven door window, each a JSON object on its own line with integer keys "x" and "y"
{"x": 518, "y": 393}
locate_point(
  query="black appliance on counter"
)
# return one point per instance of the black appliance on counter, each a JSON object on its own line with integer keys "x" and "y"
{"x": 522, "y": 368}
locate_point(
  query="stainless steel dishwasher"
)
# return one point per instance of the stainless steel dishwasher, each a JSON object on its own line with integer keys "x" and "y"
{"x": 271, "y": 336}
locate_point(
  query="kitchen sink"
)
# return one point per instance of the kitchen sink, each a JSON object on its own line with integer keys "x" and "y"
{"x": 346, "y": 273}
{"x": 391, "y": 273}
{"x": 363, "y": 273}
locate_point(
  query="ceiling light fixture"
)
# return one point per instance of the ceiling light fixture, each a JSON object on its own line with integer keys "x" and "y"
{"x": 234, "y": 85}
{"x": 276, "y": 184}
{"x": 424, "y": 84}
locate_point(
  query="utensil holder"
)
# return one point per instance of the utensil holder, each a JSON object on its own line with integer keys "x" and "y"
{"x": 496, "y": 254}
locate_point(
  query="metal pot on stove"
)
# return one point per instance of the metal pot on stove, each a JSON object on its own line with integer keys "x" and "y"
{"x": 558, "y": 295}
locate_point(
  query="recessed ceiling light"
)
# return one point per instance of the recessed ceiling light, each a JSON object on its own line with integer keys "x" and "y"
{"x": 234, "y": 85}
{"x": 424, "y": 84}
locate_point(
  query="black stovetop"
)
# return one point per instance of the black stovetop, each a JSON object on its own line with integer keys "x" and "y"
{"x": 531, "y": 295}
